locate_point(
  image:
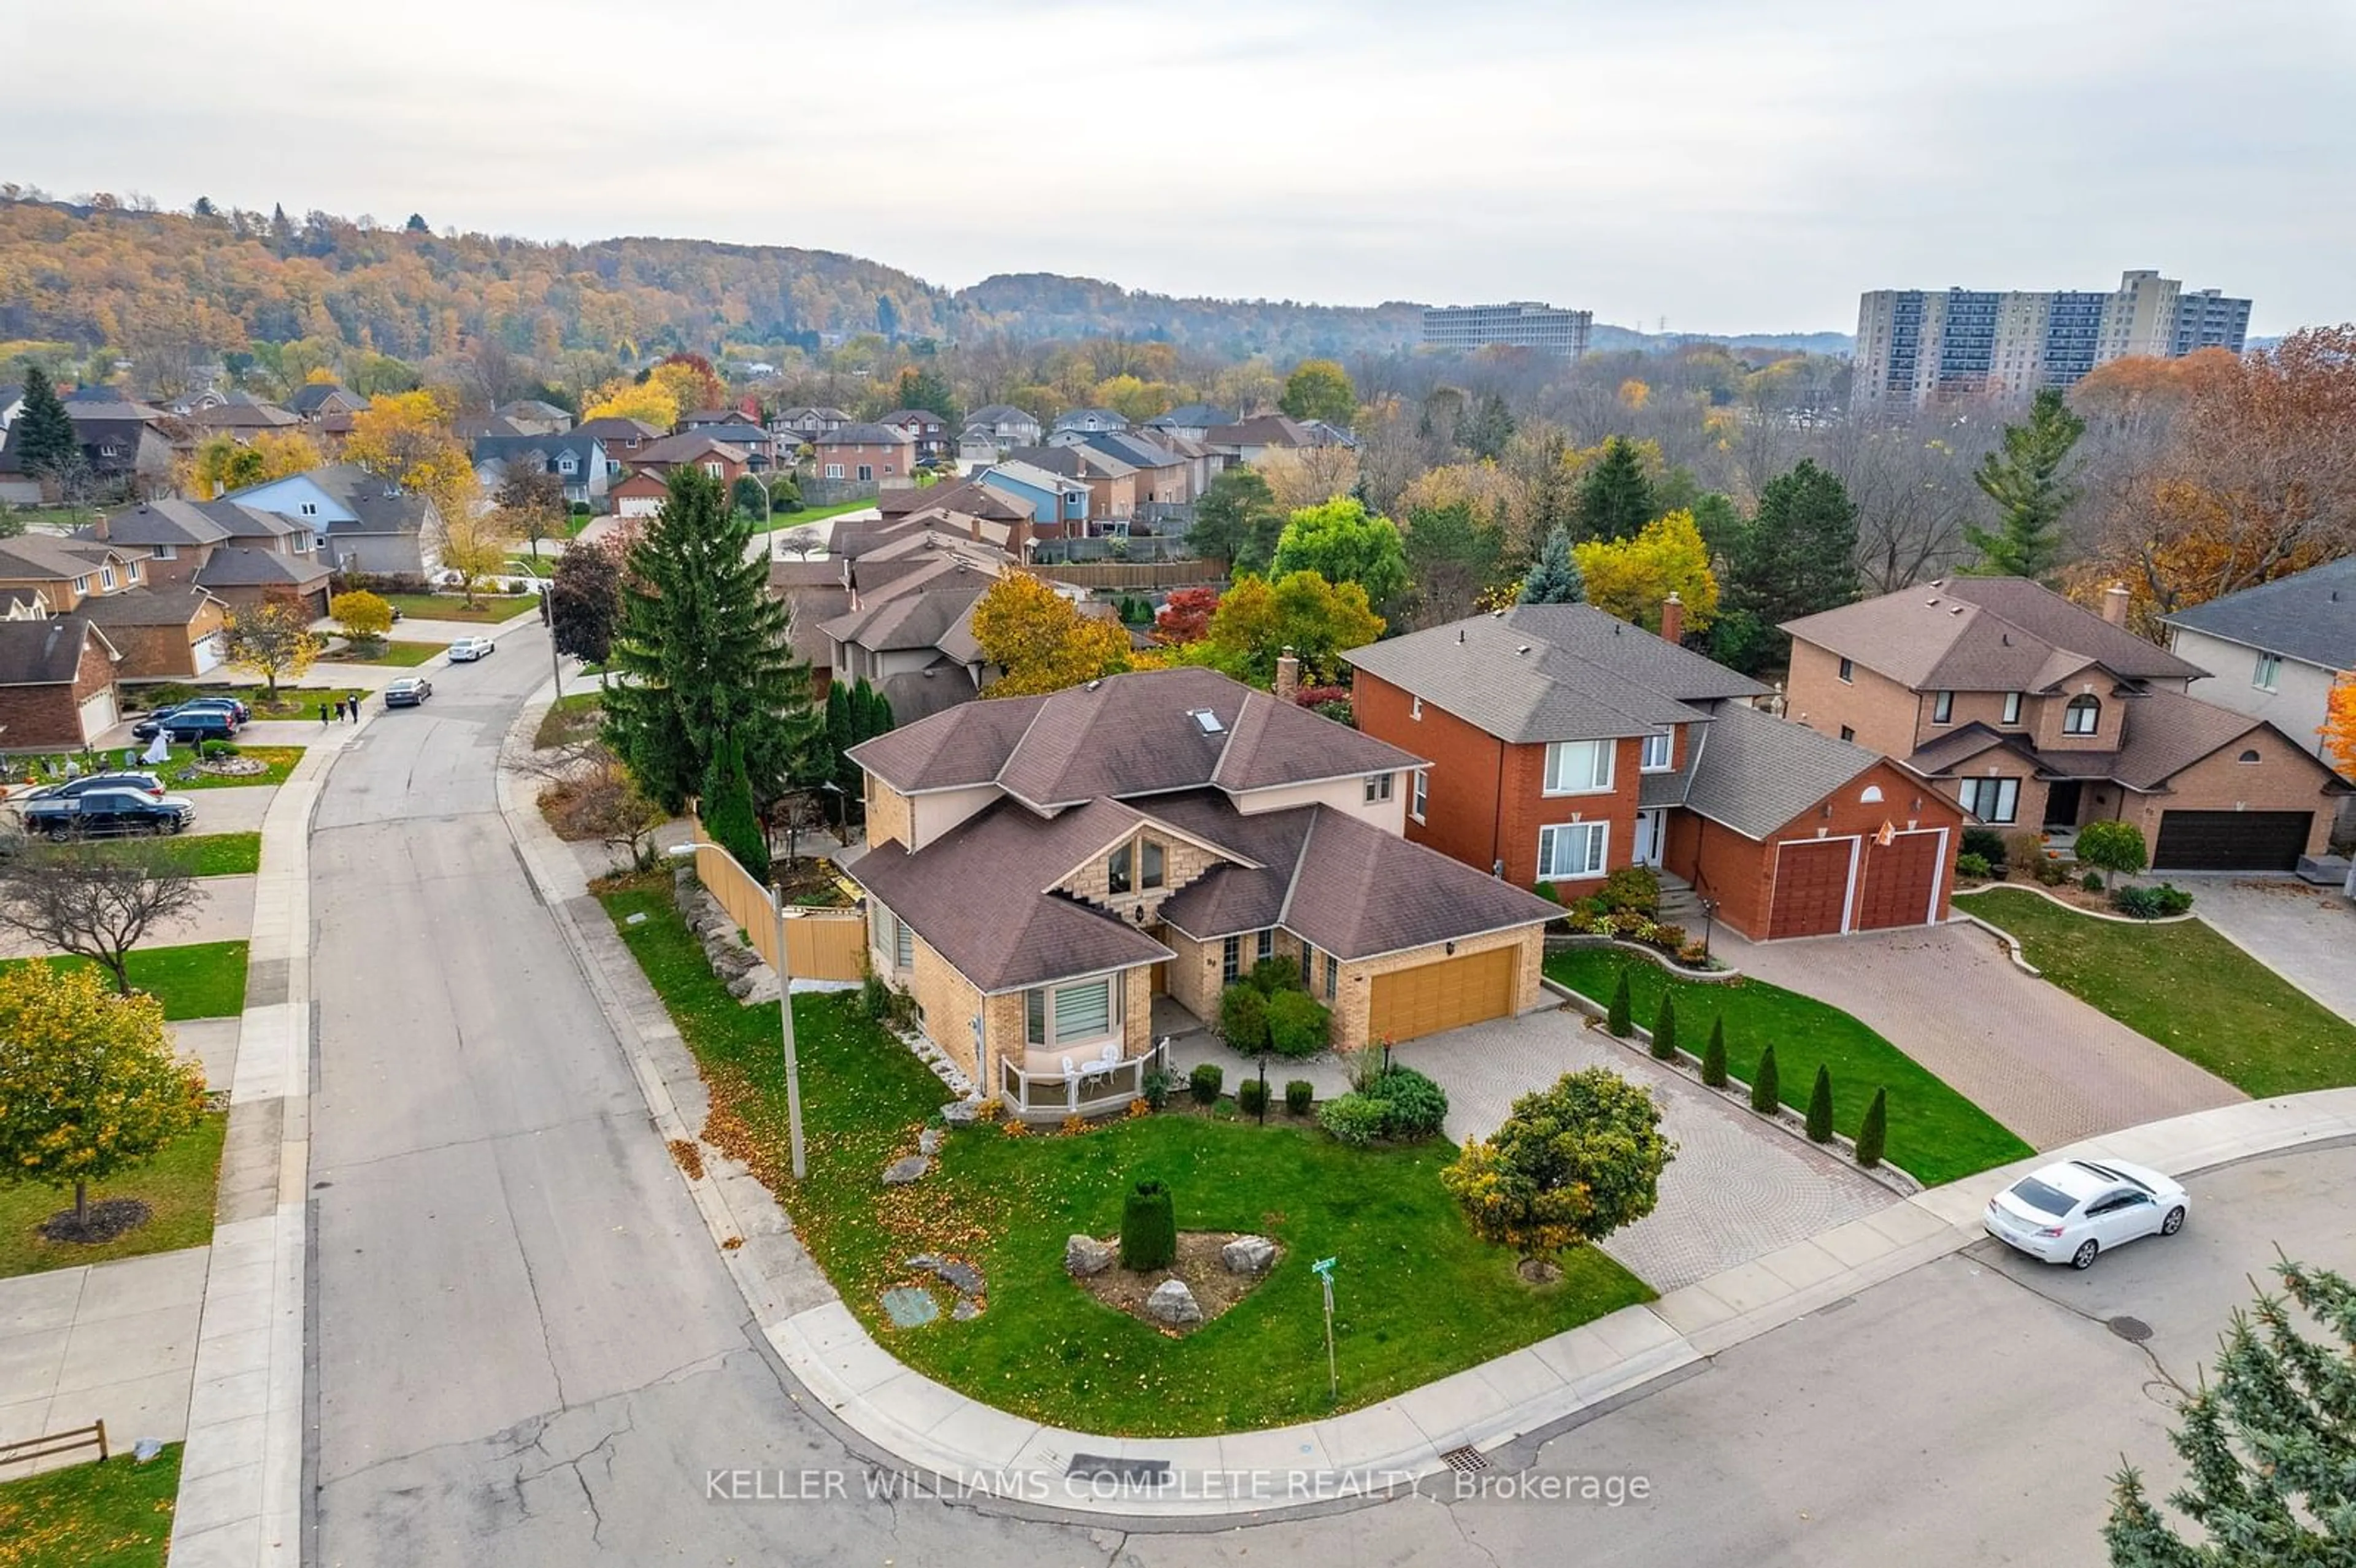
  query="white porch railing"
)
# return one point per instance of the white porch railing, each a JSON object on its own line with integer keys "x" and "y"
{"x": 1093, "y": 1088}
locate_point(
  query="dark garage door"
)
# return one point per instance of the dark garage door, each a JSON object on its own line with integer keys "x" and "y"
{"x": 2231, "y": 840}
{"x": 1898, "y": 879}
{"x": 1811, "y": 896}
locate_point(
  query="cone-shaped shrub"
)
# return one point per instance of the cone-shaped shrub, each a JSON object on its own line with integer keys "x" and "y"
{"x": 1149, "y": 1228}
{"x": 1874, "y": 1130}
{"x": 1765, "y": 1092}
{"x": 1664, "y": 1028}
{"x": 1617, "y": 1020}
{"x": 1713, "y": 1056}
{"x": 1820, "y": 1106}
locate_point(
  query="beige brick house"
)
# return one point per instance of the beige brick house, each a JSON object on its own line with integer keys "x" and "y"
{"x": 2036, "y": 714}
{"x": 1040, "y": 869}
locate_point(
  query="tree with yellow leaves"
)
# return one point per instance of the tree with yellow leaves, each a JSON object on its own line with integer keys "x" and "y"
{"x": 650, "y": 400}
{"x": 1632, "y": 578}
{"x": 476, "y": 536}
{"x": 273, "y": 641}
{"x": 1042, "y": 641}
{"x": 2339, "y": 729}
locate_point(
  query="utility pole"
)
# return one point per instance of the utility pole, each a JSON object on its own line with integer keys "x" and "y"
{"x": 555, "y": 664}
{"x": 793, "y": 1064}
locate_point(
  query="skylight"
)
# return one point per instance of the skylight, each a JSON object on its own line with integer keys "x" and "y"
{"x": 1207, "y": 722}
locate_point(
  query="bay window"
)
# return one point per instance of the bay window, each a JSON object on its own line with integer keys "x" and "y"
{"x": 1578, "y": 767}
{"x": 1068, "y": 1013}
{"x": 1572, "y": 850}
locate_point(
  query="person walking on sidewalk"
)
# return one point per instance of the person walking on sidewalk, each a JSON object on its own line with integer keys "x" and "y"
{"x": 323, "y": 716}
{"x": 355, "y": 706}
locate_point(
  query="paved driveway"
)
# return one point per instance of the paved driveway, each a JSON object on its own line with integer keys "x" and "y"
{"x": 1737, "y": 1189}
{"x": 2027, "y": 1052}
{"x": 2305, "y": 934}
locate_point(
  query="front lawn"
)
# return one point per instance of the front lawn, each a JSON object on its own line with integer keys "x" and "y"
{"x": 210, "y": 854}
{"x": 2187, "y": 987}
{"x": 198, "y": 980}
{"x": 1417, "y": 1297}
{"x": 177, "y": 1186}
{"x": 1935, "y": 1135}
{"x": 488, "y": 609}
{"x": 115, "y": 1513}
{"x": 569, "y": 718}
{"x": 277, "y": 763}
{"x": 784, "y": 520}
{"x": 394, "y": 654}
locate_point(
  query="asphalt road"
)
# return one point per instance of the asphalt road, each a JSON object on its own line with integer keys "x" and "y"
{"x": 527, "y": 1353}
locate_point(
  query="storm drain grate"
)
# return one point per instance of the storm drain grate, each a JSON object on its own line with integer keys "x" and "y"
{"x": 1465, "y": 1461}
{"x": 2133, "y": 1330}
{"x": 1099, "y": 1467}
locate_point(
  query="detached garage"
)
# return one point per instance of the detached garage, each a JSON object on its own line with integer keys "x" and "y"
{"x": 56, "y": 683}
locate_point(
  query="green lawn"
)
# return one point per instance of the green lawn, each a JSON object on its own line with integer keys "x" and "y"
{"x": 1417, "y": 1297}
{"x": 567, "y": 717}
{"x": 396, "y": 652}
{"x": 785, "y": 520}
{"x": 2187, "y": 987}
{"x": 280, "y": 761}
{"x": 178, "y": 1184}
{"x": 215, "y": 854}
{"x": 115, "y": 1514}
{"x": 489, "y": 609}
{"x": 199, "y": 980}
{"x": 1936, "y": 1133}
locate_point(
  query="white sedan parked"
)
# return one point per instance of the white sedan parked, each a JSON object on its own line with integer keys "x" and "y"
{"x": 467, "y": 650}
{"x": 2072, "y": 1211}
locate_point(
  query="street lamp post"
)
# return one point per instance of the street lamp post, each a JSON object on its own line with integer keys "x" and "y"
{"x": 793, "y": 1062}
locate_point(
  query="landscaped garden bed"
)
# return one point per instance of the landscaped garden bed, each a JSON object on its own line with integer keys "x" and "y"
{"x": 1935, "y": 1134}
{"x": 176, "y": 1186}
{"x": 1417, "y": 1296}
{"x": 2184, "y": 985}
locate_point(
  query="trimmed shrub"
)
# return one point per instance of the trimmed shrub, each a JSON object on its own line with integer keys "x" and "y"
{"x": 1251, "y": 1096}
{"x": 1243, "y": 1018}
{"x": 1413, "y": 1105}
{"x": 1636, "y": 888}
{"x": 1975, "y": 865}
{"x": 1203, "y": 1083}
{"x": 1616, "y": 1017}
{"x": 1669, "y": 936}
{"x": 1713, "y": 1055}
{"x": 2149, "y": 903}
{"x": 2090, "y": 883}
{"x": 1985, "y": 842}
{"x": 1298, "y": 1024}
{"x": 1149, "y": 1228}
{"x": 1355, "y": 1119}
{"x": 2173, "y": 900}
{"x": 1299, "y": 1096}
{"x": 1820, "y": 1106}
{"x": 1766, "y": 1092}
{"x": 1664, "y": 1027}
{"x": 1874, "y": 1131}
{"x": 1274, "y": 975}
{"x": 1156, "y": 1089}
{"x": 2114, "y": 848}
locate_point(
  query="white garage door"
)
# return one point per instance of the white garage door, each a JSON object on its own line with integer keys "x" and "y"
{"x": 98, "y": 715}
{"x": 211, "y": 651}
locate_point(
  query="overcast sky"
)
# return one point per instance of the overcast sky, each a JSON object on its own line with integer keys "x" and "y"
{"x": 1721, "y": 165}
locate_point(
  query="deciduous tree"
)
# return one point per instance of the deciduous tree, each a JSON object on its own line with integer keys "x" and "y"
{"x": 274, "y": 641}
{"x": 651, "y": 402}
{"x": 1320, "y": 389}
{"x": 1451, "y": 556}
{"x": 1042, "y": 641}
{"x": 96, "y": 901}
{"x": 584, "y": 600}
{"x": 2338, "y": 728}
{"x": 1632, "y": 578}
{"x": 1185, "y": 615}
{"x": 531, "y": 501}
{"x": 1343, "y": 542}
{"x": 1570, "y": 1165}
{"x": 475, "y": 539}
{"x": 364, "y": 617}
{"x": 2026, "y": 479}
{"x": 1238, "y": 522}
{"x": 2114, "y": 848}
{"x": 1258, "y": 619}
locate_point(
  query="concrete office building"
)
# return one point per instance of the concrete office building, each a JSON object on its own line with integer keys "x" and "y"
{"x": 1523, "y": 324}
{"x": 1915, "y": 345}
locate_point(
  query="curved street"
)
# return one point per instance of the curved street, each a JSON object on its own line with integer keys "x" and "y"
{"x": 526, "y": 1349}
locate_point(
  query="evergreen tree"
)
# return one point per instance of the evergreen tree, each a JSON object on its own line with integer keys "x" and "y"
{"x": 1238, "y": 522}
{"x": 1616, "y": 1016}
{"x": 1713, "y": 1056}
{"x": 1487, "y": 428}
{"x": 1874, "y": 1131}
{"x": 45, "y": 439}
{"x": 416, "y": 225}
{"x": 921, "y": 387}
{"x": 1795, "y": 558}
{"x": 2024, "y": 479}
{"x": 1820, "y": 1106}
{"x": 1615, "y": 499}
{"x": 727, "y": 807}
{"x": 282, "y": 229}
{"x": 840, "y": 737}
{"x": 1665, "y": 1027}
{"x": 1555, "y": 579}
{"x": 703, "y": 651}
{"x": 1766, "y": 1084}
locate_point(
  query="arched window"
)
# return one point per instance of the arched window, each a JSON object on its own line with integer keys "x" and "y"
{"x": 2251, "y": 757}
{"x": 1872, "y": 796}
{"x": 2080, "y": 718}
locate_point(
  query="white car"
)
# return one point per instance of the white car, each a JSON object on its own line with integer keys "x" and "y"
{"x": 2072, "y": 1212}
{"x": 467, "y": 650}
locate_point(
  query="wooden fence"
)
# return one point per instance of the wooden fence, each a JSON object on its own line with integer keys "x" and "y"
{"x": 820, "y": 943}
{"x": 29, "y": 1448}
{"x": 1127, "y": 574}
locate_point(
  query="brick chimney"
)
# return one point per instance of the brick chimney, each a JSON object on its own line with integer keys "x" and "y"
{"x": 2115, "y": 604}
{"x": 1288, "y": 676}
{"x": 1673, "y": 618}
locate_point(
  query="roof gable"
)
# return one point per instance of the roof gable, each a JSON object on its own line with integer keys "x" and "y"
{"x": 2310, "y": 616}
{"x": 1982, "y": 633}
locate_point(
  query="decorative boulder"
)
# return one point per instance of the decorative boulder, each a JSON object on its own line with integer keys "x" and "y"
{"x": 1085, "y": 1255}
{"x": 961, "y": 1112}
{"x": 901, "y": 1172}
{"x": 965, "y": 1310}
{"x": 1248, "y": 1255}
{"x": 1173, "y": 1304}
{"x": 959, "y": 1276}
{"x": 929, "y": 1140}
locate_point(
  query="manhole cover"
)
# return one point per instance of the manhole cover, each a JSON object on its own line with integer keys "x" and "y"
{"x": 2134, "y": 1330}
{"x": 1465, "y": 1461}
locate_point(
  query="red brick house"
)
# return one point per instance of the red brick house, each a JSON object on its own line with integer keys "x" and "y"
{"x": 1566, "y": 744}
{"x": 868, "y": 454}
{"x": 56, "y": 683}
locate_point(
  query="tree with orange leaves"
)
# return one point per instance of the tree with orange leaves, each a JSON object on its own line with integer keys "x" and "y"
{"x": 2339, "y": 729}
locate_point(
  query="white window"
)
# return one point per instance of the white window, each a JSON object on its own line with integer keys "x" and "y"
{"x": 1578, "y": 767}
{"x": 1415, "y": 709}
{"x": 1572, "y": 850}
{"x": 2268, "y": 670}
{"x": 1416, "y": 806}
{"x": 82, "y": 584}
{"x": 1942, "y": 708}
{"x": 310, "y": 509}
{"x": 167, "y": 552}
{"x": 1064, "y": 1015}
{"x": 904, "y": 944}
{"x": 712, "y": 469}
{"x": 1658, "y": 748}
{"x": 1991, "y": 800}
{"x": 105, "y": 578}
{"x": 1378, "y": 787}
{"x": 834, "y": 471}
{"x": 2012, "y": 708}
{"x": 2082, "y": 716}
{"x": 566, "y": 465}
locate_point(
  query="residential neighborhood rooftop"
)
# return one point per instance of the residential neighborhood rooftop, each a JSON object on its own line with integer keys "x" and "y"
{"x": 1983, "y": 634}
{"x": 2310, "y": 616}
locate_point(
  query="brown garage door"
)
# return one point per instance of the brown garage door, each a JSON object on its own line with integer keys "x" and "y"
{"x": 1895, "y": 888}
{"x": 2231, "y": 840}
{"x": 1448, "y": 994}
{"x": 1811, "y": 887}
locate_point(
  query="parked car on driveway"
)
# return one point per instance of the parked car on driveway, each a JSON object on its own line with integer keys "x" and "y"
{"x": 146, "y": 782}
{"x": 467, "y": 650}
{"x": 108, "y": 814}
{"x": 189, "y": 723}
{"x": 2072, "y": 1212}
{"x": 409, "y": 691}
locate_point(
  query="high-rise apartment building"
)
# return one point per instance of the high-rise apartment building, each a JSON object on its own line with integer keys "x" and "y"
{"x": 1523, "y": 324}
{"x": 1915, "y": 345}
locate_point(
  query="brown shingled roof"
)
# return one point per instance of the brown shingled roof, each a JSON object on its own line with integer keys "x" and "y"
{"x": 1983, "y": 633}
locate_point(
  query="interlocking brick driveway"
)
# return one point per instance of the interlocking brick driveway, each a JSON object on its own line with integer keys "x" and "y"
{"x": 2026, "y": 1051}
{"x": 1738, "y": 1189}
{"x": 2305, "y": 934}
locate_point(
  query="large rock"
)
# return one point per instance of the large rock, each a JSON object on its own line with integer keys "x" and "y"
{"x": 929, "y": 1140}
{"x": 961, "y": 1112}
{"x": 1085, "y": 1255}
{"x": 959, "y": 1276}
{"x": 901, "y": 1172}
{"x": 1173, "y": 1304}
{"x": 1247, "y": 1254}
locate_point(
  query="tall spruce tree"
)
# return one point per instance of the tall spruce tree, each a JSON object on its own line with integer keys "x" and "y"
{"x": 1615, "y": 499}
{"x": 2024, "y": 478}
{"x": 1796, "y": 556}
{"x": 1555, "y": 579}
{"x": 44, "y": 440}
{"x": 703, "y": 651}
{"x": 727, "y": 807}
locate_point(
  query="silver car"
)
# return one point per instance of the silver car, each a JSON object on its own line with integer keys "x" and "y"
{"x": 2074, "y": 1211}
{"x": 467, "y": 650}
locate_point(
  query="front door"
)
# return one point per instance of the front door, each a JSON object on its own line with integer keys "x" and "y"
{"x": 1648, "y": 838}
{"x": 2061, "y": 804}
